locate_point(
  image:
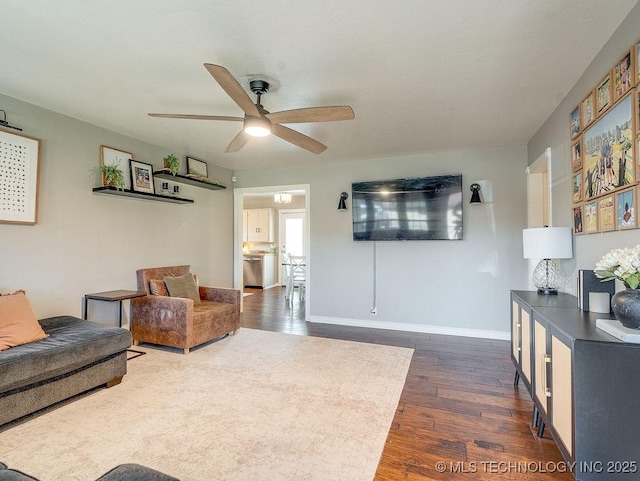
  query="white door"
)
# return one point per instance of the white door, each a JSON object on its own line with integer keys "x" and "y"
{"x": 291, "y": 236}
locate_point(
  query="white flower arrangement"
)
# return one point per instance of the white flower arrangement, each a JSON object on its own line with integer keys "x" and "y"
{"x": 622, "y": 264}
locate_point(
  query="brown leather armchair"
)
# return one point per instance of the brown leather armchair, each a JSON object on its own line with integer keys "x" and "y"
{"x": 175, "y": 321}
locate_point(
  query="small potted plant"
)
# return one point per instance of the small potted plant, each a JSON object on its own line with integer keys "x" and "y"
{"x": 112, "y": 176}
{"x": 172, "y": 163}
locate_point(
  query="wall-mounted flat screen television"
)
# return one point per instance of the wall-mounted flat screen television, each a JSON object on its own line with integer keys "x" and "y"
{"x": 426, "y": 208}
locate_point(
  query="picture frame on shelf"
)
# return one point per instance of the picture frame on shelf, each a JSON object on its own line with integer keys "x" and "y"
{"x": 606, "y": 213}
{"x": 576, "y": 156}
{"x": 575, "y": 122}
{"x": 604, "y": 96}
{"x": 626, "y": 209}
{"x": 197, "y": 168}
{"x": 113, "y": 156}
{"x": 577, "y": 187}
{"x": 590, "y": 217}
{"x": 608, "y": 151}
{"x": 577, "y": 220}
{"x": 19, "y": 179}
{"x": 141, "y": 177}
{"x": 623, "y": 77}
{"x": 587, "y": 110}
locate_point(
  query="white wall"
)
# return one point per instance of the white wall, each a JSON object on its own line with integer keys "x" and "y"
{"x": 462, "y": 286}
{"x": 555, "y": 134}
{"x": 85, "y": 242}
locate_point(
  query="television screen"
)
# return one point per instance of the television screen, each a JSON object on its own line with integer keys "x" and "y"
{"x": 427, "y": 208}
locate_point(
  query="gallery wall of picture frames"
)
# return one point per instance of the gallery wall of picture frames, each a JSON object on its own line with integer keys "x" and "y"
{"x": 605, "y": 150}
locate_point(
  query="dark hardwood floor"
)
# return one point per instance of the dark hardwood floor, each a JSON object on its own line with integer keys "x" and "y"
{"x": 458, "y": 406}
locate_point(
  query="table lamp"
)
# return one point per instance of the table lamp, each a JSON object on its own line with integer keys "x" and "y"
{"x": 547, "y": 243}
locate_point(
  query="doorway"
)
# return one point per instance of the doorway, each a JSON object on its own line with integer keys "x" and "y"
{"x": 267, "y": 193}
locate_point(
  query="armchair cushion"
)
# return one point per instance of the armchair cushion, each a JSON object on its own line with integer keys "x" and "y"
{"x": 183, "y": 286}
{"x": 158, "y": 288}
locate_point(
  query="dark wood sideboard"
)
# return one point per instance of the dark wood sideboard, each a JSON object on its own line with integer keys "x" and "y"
{"x": 584, "y": 382}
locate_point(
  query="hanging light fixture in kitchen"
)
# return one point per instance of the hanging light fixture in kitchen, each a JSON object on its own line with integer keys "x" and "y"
{"x": 282, "y": 198}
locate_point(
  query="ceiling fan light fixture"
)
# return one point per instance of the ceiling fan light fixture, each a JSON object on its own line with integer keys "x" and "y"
{"x": 257, "y": 126}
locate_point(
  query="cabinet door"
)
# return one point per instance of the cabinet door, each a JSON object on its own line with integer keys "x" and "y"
{"x": 264, "y": 218}
{"x": 561, "y": 392}
{"x": 525, "y": 334}
{"x": 245, "y": 225}
{"x": 268, "y": 270}
{"x": 515, "y": 331}
{"x": 253, "y": 225}
{"x": 541, "y": 359}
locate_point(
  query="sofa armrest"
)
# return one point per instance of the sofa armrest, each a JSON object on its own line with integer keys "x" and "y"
{"x": 161, "y": 311}
{"x": 220, "y": 294}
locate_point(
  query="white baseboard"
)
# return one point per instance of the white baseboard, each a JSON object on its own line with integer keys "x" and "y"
{"x": 396, "y": 326}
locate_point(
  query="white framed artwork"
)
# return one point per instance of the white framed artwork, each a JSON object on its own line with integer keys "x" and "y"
{"x": 19, "y": 159}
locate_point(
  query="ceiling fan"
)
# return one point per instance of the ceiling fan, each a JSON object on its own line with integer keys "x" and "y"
{"x": 258, "y": 122}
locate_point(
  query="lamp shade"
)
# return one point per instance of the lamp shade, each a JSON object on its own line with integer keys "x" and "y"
{"x": 547, "y": 243}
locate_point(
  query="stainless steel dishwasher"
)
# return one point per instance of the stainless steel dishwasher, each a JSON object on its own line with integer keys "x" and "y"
{"x": 252, "y": 271}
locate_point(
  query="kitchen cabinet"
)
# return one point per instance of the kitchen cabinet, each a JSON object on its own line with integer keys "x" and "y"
{"x": 258, "y": 225}
{"x": 585, "y": 385}
{"x": 521, "y": 340}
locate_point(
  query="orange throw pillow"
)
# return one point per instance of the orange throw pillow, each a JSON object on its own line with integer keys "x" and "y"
{"x": 18, "y": 323}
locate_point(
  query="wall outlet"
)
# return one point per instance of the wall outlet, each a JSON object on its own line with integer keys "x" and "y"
{"x": 374, "y": 311}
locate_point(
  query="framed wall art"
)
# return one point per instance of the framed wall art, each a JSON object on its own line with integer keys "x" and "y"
{"x": 141, "y": 177}
{"x": 577, "y": 187}
{"x": 606, "y": 213}
{"x": 576, "y": 156}
{"x": 626, "y": 209}
{"x": 19, "y": 163}
{"x": 112, "y": 156}
{"x": 603, "y": 94}
{"x": 197, "y": 167}
{"x": 577, "y": 220}
{"x": 623, "y": 76}
{"x": 575, "y": 122}
{"x": 590, "y": 217}
{"x": 608, "y": 157}
{"x": 587, "y": 110}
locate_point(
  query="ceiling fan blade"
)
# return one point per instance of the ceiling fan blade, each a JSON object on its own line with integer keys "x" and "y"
{"x": 312, "y": 114}
{"x": 197, "y": 117}
{"x": 296, "y": 138}
{"x": 230, "y": 85}
{"x": 238, "y": 142}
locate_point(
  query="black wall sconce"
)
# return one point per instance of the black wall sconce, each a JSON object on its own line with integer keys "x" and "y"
{"x": 342, "y": 205}
{"x": 475, "y": 194}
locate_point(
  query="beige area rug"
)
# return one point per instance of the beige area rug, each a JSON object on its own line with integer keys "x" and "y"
{"x": 255, "y": 406}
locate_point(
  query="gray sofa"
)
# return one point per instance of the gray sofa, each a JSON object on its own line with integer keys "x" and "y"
{"x": 124, "y": 472}
{"x": 77, "y": 356}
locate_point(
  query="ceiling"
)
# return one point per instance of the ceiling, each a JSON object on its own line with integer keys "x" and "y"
{"x": 421, "y": 75}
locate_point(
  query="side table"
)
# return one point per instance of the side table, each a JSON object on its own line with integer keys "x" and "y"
{"x": 114, "y": 296}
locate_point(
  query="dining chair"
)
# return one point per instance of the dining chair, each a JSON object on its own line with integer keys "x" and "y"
{"x": 286, "y": 263}
{"x": 297, "y": 276}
